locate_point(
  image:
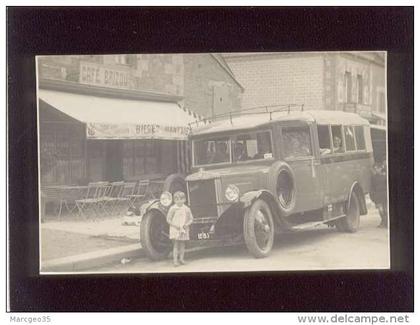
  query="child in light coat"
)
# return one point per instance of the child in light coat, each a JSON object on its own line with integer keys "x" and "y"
{"x": 179, "y": 218}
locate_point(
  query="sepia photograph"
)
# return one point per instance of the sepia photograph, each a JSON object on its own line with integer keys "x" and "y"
{"x": 210, "y": 159}
{"x": 212, "y": 162}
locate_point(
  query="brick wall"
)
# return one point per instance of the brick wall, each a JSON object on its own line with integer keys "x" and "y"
{"x": 280, "y": 79}
{"x": 208, "y": 88}
{"x": 330, "y": 81}
{"x": 161, "y": 72}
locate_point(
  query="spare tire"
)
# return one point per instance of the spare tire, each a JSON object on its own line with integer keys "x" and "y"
{"x": 174, "y": 183}
{"x": 281, "y": 182}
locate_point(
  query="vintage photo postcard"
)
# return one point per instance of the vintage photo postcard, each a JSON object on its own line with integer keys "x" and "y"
{"x": 213, "y": 162}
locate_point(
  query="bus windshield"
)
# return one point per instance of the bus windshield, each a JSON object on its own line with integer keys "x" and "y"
{"x": 242, "y": 147}
{"x": 212, "y": 151}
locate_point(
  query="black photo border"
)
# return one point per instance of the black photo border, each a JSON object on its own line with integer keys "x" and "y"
{"x": 106, "y": 30}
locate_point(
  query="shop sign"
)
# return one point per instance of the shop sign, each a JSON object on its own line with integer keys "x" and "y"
{"x": 136, "y": 131}
{"x": 99, "y": 75}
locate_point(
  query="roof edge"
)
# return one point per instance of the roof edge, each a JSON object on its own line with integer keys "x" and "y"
{"x": 227, "y": 69}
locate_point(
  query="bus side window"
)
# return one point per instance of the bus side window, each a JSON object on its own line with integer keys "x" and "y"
{"x": 324, "y": 139}
{"x": 296, "y": 142}
{"x": 360, "y": 138}
{"x": 350, "y": 138}
{"x": 337, "y": 136}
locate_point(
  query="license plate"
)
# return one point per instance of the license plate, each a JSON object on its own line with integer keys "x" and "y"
{"x": 203, "y": 235}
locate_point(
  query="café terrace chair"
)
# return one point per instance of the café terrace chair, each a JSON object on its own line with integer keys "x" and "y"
{"x": 140, "y": 194}
{"x": 108, "y": 202}
{"x": 90, "y": 204}
{"x": 123, "y": 201}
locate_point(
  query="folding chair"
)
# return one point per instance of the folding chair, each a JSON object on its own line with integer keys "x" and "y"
{"x": 140, "y": 194}
{"x": 94, "y": 194}
{"x": 123, "y": 201}
{"x": 109, "y": 201}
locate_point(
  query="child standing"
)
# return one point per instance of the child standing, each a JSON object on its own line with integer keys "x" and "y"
{"x": 179, "y": 218}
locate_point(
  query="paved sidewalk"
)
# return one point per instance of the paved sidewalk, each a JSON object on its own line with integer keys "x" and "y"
{"x": 75, "y": 237}
{"x": 58, "y": 244}
{"x": 111, "y": 228}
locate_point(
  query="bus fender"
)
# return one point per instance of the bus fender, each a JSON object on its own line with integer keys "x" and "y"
{"x": 153, "y": 205}
{"x": 249, "y": 197}
{"x": 357, "y": 189}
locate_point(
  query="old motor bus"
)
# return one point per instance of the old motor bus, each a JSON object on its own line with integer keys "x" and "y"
{"x": 256, "y": 174}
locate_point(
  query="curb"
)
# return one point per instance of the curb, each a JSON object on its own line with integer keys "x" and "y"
{"x": 92, "y": 259}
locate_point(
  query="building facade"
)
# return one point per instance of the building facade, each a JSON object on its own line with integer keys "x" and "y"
{"x": 348, "y": 81}
{"x": 210, "y": 88}
{"x": 80, "y": 138}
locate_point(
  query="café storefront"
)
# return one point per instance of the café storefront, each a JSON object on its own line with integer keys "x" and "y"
{"x": 85, "y": 138}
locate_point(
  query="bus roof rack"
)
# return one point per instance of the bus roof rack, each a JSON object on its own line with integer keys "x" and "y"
{"x": 267, "y": 109}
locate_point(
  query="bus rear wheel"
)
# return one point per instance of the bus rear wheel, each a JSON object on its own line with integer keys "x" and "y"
{"x": 351, "y": 222}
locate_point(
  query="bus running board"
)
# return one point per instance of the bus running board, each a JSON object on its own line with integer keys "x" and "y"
{"x": 314, "y": 224}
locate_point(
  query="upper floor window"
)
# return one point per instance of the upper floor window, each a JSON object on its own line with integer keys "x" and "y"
{"x": 296, "y": 142}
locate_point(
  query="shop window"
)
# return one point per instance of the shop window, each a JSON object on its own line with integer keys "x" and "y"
{"x": 96, "y": 157}
{"x": 127, "y": 159}
{"x": 76, "y": 138}
{"x": 48, "y": 154}
{"x": 140, "y": 157}
{"x": 324, "y": 139}
{"x": 360, "y": 138}
{"x": 62, "y": 153}
{"x": 62, "y": 144}
{"x": 296, "y": 142}
{"x": 147, "y": 157}
{"x": 337, "y": 136}
{"x": 95, "y": 149}
{"x": 350, "y": 138}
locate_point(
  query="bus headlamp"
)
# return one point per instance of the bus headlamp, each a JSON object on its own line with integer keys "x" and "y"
{"x": 232, "y": 192}
{"x": 166, "y": 199}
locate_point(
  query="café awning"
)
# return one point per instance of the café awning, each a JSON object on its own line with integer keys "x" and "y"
{"x": 115, "y": 118}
